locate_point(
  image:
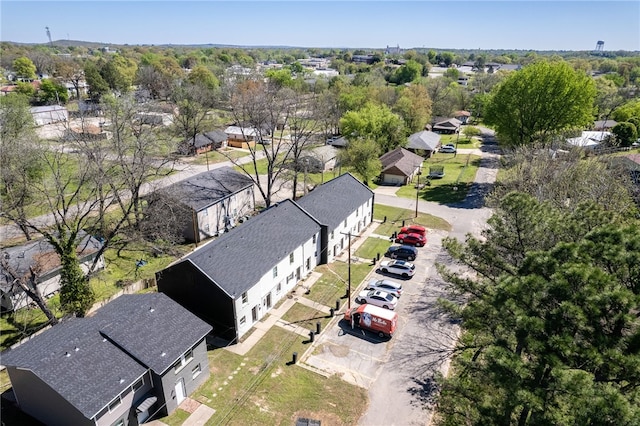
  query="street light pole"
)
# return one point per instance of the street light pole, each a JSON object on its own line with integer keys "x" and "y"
{"x": 418, "y": 188}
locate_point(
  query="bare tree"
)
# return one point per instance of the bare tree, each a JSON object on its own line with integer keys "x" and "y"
{"x": 70, "y": 71}
{"x": 27, "y": 283}
{"x": 264, "y": 111}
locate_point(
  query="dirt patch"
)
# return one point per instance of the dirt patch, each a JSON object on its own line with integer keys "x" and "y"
{"x": 325, "y": 418}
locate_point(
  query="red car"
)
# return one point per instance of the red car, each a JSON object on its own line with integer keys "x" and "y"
{"x": 414, "y": 229}
{"x": 411, "y": 239}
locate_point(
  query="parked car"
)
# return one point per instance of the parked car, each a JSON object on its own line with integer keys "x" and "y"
{"x": 414, "y": 229}
{"x": 448, "y": 148}
{"x": 402, "y": 252}
{"x": 332, "y": 139}
{"x": 377, "y": 298}
{"x": 387, "y": 286}
{"x": 411, "y": 239}
{"x": 398, "y": 267}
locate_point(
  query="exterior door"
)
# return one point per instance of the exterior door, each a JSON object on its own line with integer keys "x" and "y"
{"x": 181, "y": 393}
{"x": 298, "y": 276}
{"x": 267, "y": 301}
{"x": 254, "y": 313}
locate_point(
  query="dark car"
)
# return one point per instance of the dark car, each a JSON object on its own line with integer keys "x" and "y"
{"x": 402, "y": 252}
{"x": 411, "y": 240}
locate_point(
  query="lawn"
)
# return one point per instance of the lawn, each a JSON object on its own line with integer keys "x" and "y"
{"x": 241, "y": 388}
{"x": 333, "y": 284}
{"x": 395, "y": 216}
{"x": 459, "y": 173}
{"x": 372, "y": 247}
{"x": 218, "y": 156}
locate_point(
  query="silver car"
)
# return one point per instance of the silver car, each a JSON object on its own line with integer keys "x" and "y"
{"x": 388, "y": 286}
{"x": 378, "y": 298}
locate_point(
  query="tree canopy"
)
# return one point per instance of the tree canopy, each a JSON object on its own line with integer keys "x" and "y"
{"x": 375, "y": 122}
{"x": 533, "y": 104}
{"x": 551, "y": 334}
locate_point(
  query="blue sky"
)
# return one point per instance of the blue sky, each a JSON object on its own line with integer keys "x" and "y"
{"x": 514, "y": 24}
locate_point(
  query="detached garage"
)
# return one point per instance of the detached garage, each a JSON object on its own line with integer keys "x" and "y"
{"x": 399, "y": 167}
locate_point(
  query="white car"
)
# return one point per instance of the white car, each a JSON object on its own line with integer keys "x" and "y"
{"x": 387, "y": 286}
{"x": 378, "y": 298}
{"x": 398, "y": 267}
{"x": 448, "y": 148}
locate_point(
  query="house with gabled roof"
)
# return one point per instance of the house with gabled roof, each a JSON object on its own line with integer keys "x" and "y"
{"x": 203, "y": 142}
{"x": 600, "y": 125}
{"x": 215, "y": 201}
{"x": 424, "y": 142}
{"x": 40, "y": 259}
{"x": 234, "y": 280}
{"x": 446, "y": 125}
{"x": 343, "y": 206}
{"x": 241, "y": 137}
{"x": 138, "y": 356}
{"x": 400, "y": 166}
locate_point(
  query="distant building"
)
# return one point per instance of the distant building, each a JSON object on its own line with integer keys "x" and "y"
{"x": 49, "y": 114}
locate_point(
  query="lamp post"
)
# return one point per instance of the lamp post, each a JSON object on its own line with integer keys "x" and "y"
{"x": 418, "y": 188}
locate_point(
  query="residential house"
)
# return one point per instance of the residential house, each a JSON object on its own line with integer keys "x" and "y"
{"x": 241, "y": 137}
{"x": 589, "y": 140}
{"x": 49, "y": 114}
{"x": 400, "y": 166}
{"x": 462, "y": 116}
{"x": 344, "y": 207}
{"x": 446, "y": 125}
{"x": 203, "y": 142}
{"x": 363, "y": 59}
{"x": 424, "y": 143}
{"x": 234, "y": 280}
{"x": 138, "y": 356}
{"x": 216, "y": 201}
{"x": 40, "y": 258}
{"x": 604, "y": 125}
{"x": 631, "y": 163}
{"x": 155, "y": 118}
{"x": 321, "y": 159}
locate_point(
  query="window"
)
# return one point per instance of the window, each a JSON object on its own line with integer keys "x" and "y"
{"x": 357, "y": 211}
{"x": 367, "y": 203}
{"x": 290, "y": 278}
{"x": 245, "y": 297}
{"x": 332, "y": 235}
{"x": 137, "y": 385}
{"x": 279, "y": 287}
{"x": 291, "y": 257}
{"x": 345, "y": 223}
{"x": 195, "y": 372}
{"x": 205, "y": 212}
{"x": 184, "y": 360}
{"x": 243, "y": 320}
{"x": 275, "y": 271}
{"x": 308, "y": 263}
{"x": 120, "y": 423}
{"x": 115, "y": 404}
{"x": 314, "y": 238}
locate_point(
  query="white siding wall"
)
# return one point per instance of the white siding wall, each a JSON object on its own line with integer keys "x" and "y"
{"x": 276, "y": 287}
{"x": 212, "y": 220}
{"x": 338, "y": 240}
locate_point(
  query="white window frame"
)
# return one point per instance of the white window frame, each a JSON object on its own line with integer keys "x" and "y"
{"x": 185, "y": 359}
{"x": 115, "y": 404}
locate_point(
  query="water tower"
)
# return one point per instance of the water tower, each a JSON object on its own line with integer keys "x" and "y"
{"x": 599, "y": 46}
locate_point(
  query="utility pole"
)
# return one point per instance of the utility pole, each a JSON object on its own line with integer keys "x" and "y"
{"x": 348, "y": 271}
{"x": 418, "y": 188}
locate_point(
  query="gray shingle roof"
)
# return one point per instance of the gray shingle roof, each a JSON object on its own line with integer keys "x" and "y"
{"x": 403, "y": 160}
{"x": 41, "y": 255}
{"x": 333, "y": 201}
{"x": 207, "y": 188}
{"x": 424, "y": 140}
{"x": 148, "y": 325}
{"x": 238, "y": 259}
{"x": 90, "y": 377}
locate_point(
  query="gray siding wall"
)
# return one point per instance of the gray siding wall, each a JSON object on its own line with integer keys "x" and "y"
{"x": 49, "y": 407}
{"x": 171, "y": 377}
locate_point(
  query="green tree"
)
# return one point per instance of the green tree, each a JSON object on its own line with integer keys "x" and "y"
{"x": 407, "y": 73}
{"x": 626, "y": 133}
{"x": 539, "y": 101}
{"x": 24, "y": 68}
{"x": 281, "y": 77}
{"x": 97, "y": 86}
{"x": 202, "y": 76}
{"x": 374, "y": 122}
{"x": 414, "y": 106}
{"x": 550, "y": 326}
{"x": 51, "y": 91}
{"x": 76, "y": 295}
{"x": 362, "y": 155}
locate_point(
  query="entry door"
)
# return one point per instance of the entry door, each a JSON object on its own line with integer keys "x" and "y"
{"x": 181, "y": 393}
{"x": 267, "y": 301}
{"x": 298, "y": 276}
{"x": 254, "y": 313}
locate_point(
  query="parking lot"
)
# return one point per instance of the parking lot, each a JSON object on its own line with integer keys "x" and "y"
{"x": 393, "y": 369}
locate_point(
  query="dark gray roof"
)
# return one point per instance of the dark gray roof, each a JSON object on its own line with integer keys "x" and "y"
{"x": 149, "y": 325}
{"x": 333, "y": 201}
{"x": 450, "y": 123}
{"x": 401, "y": 159}
{"x": 41, "y": 255}
{"x": 217, "y": 136}
{"x": 238, "y": 259}
{"x": 208, "y": 188}
{"x": 424, "y": 140}
{"x": 89, "y": 377}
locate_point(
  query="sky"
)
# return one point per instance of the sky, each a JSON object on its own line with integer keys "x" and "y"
{"x": 506, "y": 24}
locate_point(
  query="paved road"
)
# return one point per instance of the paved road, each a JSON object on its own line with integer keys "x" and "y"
{"x": 399, "y": 372}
